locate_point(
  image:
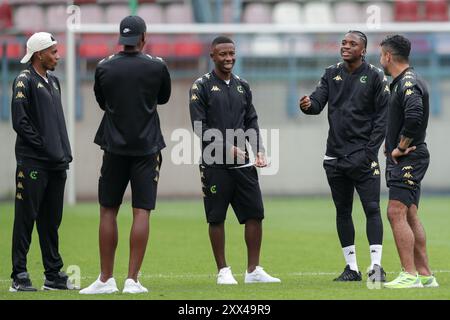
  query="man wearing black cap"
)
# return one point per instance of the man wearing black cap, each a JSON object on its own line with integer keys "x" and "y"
{"x": 128, "y": 87}
{"x": 43, "y": 155}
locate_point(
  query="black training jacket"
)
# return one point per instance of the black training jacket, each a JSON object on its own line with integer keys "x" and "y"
{"x": 128, "y": 87}
{"x": 408, "y": 110}
{"x": 38, "y": 119}
{"x": 357, "y": 108}
{"x": 220, "y": 106}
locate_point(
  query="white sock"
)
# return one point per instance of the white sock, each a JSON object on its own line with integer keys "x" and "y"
{"x": 375, "y": 254}
{"x": 350, "y": 257}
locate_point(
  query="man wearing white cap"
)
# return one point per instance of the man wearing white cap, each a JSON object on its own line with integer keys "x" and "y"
{"x": 43, "y": 155}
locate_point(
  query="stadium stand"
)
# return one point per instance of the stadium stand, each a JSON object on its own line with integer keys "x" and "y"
{"x": 348, "y": 12}
{"x": 287, "y": 12}
{"x": 6, "y": 21}
{"x": 436, "y": 10}
{"x": 318, "y": 13}
{"x": 406, "y": 10}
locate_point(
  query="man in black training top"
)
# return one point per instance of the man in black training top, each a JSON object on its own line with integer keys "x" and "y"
{"x": 357, "y": 94}
{"x": 128, "y": 87}
{"x": 407, "y": 161}
{"x": 43, "y": 155}
{"x": 219, "y": 102}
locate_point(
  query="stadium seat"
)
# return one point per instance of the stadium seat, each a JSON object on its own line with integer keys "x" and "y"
{"x": 406, "y": 10}
{"x": 318, "y": 13}
{"x": 116, "y": 12}
{"x": 179, "y": 13}
{"x": 56, "y": 18}
{"x": 436, "y": 10}
{"x": 29, "y": 18}
{"x": 91, "y": 13}
{"x": 160, "y": 46}
{"x": 257, "y": 13}
{"x": 94, "y": 46}
{"x": 188, "y": 46}
{"x": 386, "y": 10}
{"x": 266, "y": 45}
{"x": 151, "y": 13}
{"x": 5, "y": 16}
{"x": 348, "y": 12}
{"x": 287, "y": 13}
{"x": 14, "y": 49}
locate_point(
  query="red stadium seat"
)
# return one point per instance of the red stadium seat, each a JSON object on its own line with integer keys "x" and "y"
{"x": 5, "y": 16}
{"x": 14, "y": 49}
{"x": 436, "y": 10}
{"x": 94, "y": 46}
{"x": 406, "y": 10}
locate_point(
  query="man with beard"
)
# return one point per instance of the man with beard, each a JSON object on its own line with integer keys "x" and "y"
{"x": 407, "y": 160}
{"x": 357, "y": 95}
{"x": 220, "y": 101}
{"x": 43, "y": 155}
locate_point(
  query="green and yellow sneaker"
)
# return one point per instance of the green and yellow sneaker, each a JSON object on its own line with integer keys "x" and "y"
{"x": 404, "y": 281}
{"x": 428, "y": 281}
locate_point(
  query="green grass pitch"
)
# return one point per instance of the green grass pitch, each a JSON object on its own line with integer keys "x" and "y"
{"x": 300, "y": 246}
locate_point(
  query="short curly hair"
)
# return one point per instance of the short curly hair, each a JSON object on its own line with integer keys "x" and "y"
{"x": 398, "y": 46}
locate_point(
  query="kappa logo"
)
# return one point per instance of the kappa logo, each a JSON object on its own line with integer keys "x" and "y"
{"x": 19, "y": 196}
{"x": 194, "y": 87}
{"x": 20, "y": 84}
{"x": 215, "y": 88}
{"x": 351, "y": 252}
{"x": 363, "y": 79}
{"x": 374, "y": 164}
{"x": 386, "y": 89}
{"x": 408, "y": 77}
{"x": 20, "y": 175}
{"x": 20, "y": 185}
{"x": 376, "y": 172}
{"x": 337, "y": 78}
{"x": 40, "y": 85}
{"x": 22, "y": 75}
{"x": 408, "y": 175}
{"x": 408, "y": 84}
{"x": 20, "y": 95}
{"x": 194, "y": 97}
{"x": 407, "y": 168}
{"x": 410, "y": 182}
{"x": 409, "y": 92}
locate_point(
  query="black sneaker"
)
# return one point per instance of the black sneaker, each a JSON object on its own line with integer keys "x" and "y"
{"x": 377, "y": 274}
{"x": 60, "y": 282}
{"x": 21, "y": 282}
{"x": 349, "y": 275}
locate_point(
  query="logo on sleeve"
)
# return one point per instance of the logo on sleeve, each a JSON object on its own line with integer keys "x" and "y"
{"x": 408, "y": 84}
{"x": 20, "y": 84}
{"x": 20, "y": 95}
{"x": 194, "y": 87}
{"x": 194, "y": 97}
{"x": 409, "y": 92}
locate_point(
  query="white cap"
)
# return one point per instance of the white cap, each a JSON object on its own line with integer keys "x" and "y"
{"x": 38, "y": 42}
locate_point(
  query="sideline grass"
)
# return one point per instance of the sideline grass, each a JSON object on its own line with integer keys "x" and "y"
{"x": 300, "y": 246}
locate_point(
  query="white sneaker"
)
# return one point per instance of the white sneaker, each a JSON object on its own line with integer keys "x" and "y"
{"x": 225, "y": 276}
{"x": 259, "y": 276}
{"x": 99, "y": 287}
{"x": 133, "y": 287}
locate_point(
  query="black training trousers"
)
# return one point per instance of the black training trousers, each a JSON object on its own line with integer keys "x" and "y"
{"x": 39, "y": 198}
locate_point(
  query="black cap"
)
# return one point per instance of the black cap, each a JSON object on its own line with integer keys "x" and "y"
{"x": 131, "y": 28}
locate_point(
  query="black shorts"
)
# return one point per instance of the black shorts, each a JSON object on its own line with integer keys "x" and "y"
{"x": 358, "y": 171}
{"x": 118, "y": 170}
{"x": 238, "y": 187}
{"x": 403, "y": 179}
